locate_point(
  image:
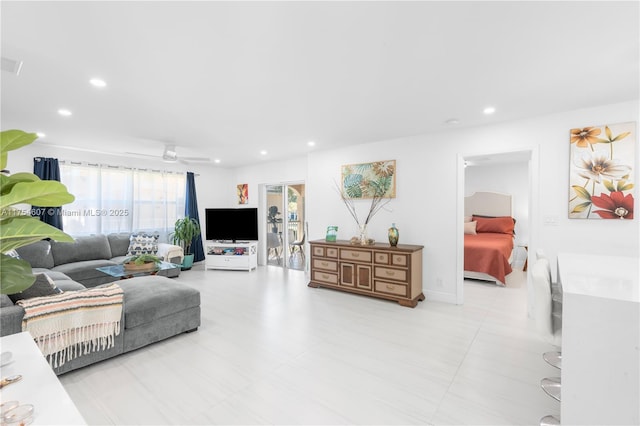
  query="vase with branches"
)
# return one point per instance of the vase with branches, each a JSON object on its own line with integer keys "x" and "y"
{"x": 378, "y": 201}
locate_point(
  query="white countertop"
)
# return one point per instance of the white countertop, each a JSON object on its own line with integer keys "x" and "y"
{"x": 39, "y": 385}
{"x": 610, "y": 277}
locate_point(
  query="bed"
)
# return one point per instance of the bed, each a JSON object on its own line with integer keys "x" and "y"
{"x": 489, "y": 237}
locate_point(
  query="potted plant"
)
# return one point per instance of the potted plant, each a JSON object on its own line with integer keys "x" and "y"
{"x": 18, "y": 227}
{"x": 141, "y": 262}
{"x": 186, "y": 229}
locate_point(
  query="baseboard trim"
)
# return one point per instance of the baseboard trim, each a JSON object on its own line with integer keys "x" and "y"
{"x": 439, "y": 296}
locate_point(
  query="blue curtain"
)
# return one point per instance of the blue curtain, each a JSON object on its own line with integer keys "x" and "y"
{"x": 47, "y": 169}
{"x": 191, "y": 210}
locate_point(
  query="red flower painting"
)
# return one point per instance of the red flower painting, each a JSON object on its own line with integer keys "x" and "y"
{"x": 616, "y": 205}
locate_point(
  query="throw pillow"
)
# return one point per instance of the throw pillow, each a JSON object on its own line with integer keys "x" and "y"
{"x": 499, "y": 225}
{"x": 470, "y": 228}
{"x": 143, "y": 243}
{"x": 44, "y": 286}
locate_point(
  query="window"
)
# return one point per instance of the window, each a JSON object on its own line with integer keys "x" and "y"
{"x": 116, "y": 199}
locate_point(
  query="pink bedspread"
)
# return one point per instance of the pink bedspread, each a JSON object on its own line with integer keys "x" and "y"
{"x": 488, "y": 253}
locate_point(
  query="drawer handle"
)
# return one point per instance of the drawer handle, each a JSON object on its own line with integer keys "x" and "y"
{"x": 390, "y": 273}
{"x": 355, "y": 254}
{"x": 389, "y": 287}
{"x": 324, "y": 263}
{"x": 326, "y": 277}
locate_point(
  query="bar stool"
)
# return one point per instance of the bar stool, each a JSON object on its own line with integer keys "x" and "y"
{"x": 549, "y": 328}
{"x": 553, "y": 358}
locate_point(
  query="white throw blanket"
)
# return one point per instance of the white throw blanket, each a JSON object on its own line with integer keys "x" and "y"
{"x": 73, "y": 323}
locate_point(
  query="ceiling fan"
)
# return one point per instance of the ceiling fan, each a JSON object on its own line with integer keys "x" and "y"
{"x": 170, "y": 155}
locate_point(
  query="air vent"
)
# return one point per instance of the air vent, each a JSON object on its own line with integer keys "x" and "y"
{"x": 11, "y": 65}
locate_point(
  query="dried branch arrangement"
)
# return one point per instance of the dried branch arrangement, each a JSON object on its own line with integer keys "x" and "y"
{"x": 377, "y": 202}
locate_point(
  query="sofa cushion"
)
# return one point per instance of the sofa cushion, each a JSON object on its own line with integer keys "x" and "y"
{"x": 142, "y": 243}
{"x": 119, "y": 243}
{"x": 69, "y": 285}
{"x": 151, "y": 297}
{"x": 43, "y": 286}
{"x": 84, "y": 270}
{"x": 83, "y": 248}
{"x": 38, "y": 254}
{"x": 5, "y": 301}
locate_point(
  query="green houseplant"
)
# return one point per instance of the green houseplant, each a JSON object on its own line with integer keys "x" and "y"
{"x": 17, "y": 227}
{"x": 186, "y": 229}
{"x": 141, "y": 261}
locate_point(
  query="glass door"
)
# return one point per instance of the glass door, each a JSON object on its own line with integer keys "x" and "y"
{"x": 285, "y": 224}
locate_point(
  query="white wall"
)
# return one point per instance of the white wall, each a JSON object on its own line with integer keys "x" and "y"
{"x": 427, "y": 181}
{"x": 505, "y": 178}
{"x": 428, "y": 177}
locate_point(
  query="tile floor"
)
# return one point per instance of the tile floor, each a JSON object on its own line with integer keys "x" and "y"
{"x": 270, "y": 350}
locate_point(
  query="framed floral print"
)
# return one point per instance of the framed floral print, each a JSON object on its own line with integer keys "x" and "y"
{"x": 368, "y": 179}
{"x": 601, "y": 172}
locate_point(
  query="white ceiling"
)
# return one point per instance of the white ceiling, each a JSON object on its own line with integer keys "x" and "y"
{"x": 228, "y": 79}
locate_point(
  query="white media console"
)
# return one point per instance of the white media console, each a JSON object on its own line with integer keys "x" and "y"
{"x": 234, "y": 256}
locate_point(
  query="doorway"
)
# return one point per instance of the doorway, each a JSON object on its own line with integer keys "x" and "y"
{"x": 285, "y": 225}
{"x": 523, "y": 163}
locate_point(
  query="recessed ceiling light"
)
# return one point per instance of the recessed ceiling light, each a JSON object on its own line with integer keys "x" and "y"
{"x": 40, "y": 134}
{"x": 97, "y": 82}
{"x": 489, "y": 110}
{"x": 452, "y": 121}
{"x": 64, "y": 112}
{"x": 217, "y": 161}
{"x": 263, "y": 152}
{"x": 311, "y": 143}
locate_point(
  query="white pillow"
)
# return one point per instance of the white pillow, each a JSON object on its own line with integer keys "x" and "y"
{"x": 468, "y": 219}
{"x": 470, "y": 228}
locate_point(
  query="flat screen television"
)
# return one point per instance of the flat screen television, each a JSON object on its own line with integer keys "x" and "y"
{"x": 232, "y": 224}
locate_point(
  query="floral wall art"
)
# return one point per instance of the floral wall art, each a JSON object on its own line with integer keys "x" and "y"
{"x": 243, "y": 193}
{"x": 367, "y": 180}
{"x": 601, "y": 172}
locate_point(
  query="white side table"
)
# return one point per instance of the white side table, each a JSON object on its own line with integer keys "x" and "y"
{"x": 39, "y": 385}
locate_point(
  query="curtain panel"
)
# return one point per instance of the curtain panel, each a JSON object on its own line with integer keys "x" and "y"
{"x": 117, "y": 199}
{"x": 47, "y": 169}
{"x": 191, "y": 210}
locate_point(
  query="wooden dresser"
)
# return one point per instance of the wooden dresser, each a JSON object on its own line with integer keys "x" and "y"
{"x": 378, "y": 270}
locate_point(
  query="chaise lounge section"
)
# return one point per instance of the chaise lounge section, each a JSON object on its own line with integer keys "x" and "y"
{"x": 154, "y": 308}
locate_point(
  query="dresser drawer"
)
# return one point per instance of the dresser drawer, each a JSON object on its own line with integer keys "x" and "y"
{"x": 390, "y": 274}
{"x": 355, "y": 255}
{"x": 328, "y": 265}
{"x": 321, "y": 251}
{"x": 381, "y": 257}
{"x": 391, "y": 288}
{"x": 399, "y": 259}
{"x": 325, "y": 277}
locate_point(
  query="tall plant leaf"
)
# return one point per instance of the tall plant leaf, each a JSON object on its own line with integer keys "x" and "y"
{"x": 19, "y": 231}
{"x": 42, "y": 193}
{"x": 11, "y": 140}
{"x": 16, "y": 275}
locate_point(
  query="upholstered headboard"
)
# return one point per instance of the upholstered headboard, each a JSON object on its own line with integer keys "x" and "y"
{"x": 488, "y": 204}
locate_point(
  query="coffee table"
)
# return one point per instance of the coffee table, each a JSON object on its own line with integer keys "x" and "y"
{"x": 118, "y": 271}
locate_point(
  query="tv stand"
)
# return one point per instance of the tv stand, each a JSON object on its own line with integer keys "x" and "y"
{"x": 241, "y": 255}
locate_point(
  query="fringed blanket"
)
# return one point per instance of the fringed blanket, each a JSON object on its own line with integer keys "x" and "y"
{"x": 73, "y": 323}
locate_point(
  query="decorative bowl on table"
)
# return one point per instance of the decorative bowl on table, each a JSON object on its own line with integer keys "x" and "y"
{"x": 141, "y": 262}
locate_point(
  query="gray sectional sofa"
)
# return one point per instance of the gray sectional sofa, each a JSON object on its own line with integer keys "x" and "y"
{"x": 154, "y": 307}
{"x": 78, "y": 260}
